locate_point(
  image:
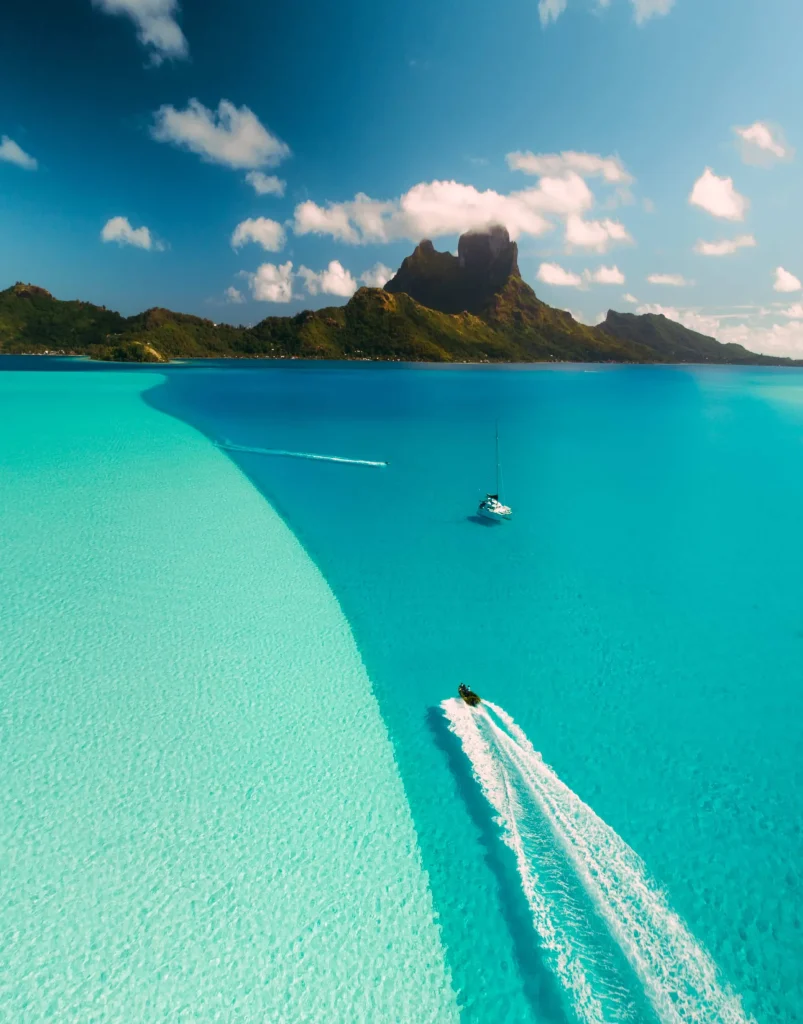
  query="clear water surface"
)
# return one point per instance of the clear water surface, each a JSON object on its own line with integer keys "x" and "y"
{"x": 641, "y": 620}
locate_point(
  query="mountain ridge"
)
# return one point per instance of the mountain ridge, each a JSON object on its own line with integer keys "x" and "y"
{"x": 438, "y": 307}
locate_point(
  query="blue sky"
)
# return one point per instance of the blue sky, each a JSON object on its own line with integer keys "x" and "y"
{"x": 245, "y": 159}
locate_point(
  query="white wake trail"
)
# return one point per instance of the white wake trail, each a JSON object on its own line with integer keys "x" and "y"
{"x": 677, "y": 974}
{"x": 582, "y": 972}
{"x": 230, "y": 447}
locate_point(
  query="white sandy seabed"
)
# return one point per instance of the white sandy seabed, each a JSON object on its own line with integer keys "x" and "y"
{"x": 200, "y": 816}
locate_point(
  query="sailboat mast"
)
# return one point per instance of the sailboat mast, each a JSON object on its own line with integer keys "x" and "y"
{"x": 497, "y": 458}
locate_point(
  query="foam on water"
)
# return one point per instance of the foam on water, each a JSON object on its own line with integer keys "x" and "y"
{"x": 678, "y": 975}
{"x": 228, "y": 446}
{"x": 200, "y": 815}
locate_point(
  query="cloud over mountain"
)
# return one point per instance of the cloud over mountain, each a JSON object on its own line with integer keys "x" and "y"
{"x": 272, "y": 283}
{"x": 335, "y": 280}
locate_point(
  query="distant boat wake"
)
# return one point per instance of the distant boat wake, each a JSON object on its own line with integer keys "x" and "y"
{"x": 228, "y": 446}
{"x": 584, "y": 885}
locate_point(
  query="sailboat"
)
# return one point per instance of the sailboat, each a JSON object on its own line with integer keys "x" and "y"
{"x": 490, "y": 506}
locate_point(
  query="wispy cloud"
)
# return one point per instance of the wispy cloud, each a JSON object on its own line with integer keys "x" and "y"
{"x": 156, "y": 24}
{"x": 726, "y": 247}
{"x": 605, "y": 275}
{"x": 643, "y": 10}
{"x": 550, "y": 10}
{"x": 672, "y": 280}
{"x": 232, "y": 136}
{"x": 14, "y": 154}
{"x": 587, "y": 165}
{"x": 265, "y": 184}
{"x": 594, "y": 234}
{"x": 763, "y": 144}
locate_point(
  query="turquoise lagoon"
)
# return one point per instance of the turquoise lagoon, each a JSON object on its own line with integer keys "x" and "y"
{"x": 216, "y": 812}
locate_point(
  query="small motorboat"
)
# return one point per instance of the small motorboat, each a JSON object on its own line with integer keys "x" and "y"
{"x": 471, "y": 698}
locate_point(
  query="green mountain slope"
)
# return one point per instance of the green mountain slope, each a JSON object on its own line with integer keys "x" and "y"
{"x": 32, "y": 320}
{"x": 473, "y": 307}
{"x": 678, "y": 344}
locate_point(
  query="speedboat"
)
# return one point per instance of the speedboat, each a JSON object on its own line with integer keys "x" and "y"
{"x": 471, "y": 698}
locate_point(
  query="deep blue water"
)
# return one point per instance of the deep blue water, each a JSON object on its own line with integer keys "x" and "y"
{"x": 641, "y": 619}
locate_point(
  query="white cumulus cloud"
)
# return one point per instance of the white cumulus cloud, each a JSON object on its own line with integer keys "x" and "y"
{"x": 587, "y": 165}
{"x": 437, "y": 208}
{"x": 726, "y": 247}
{"x": 774, "y": 340}
{"x": 605, "y": 275}
{"x": 118, "y": 229}
{"x": 594, "y": 234}
{"x": 265, "y": 184}
{"x": 785, "y": 282}
{"x": 763, "y": 144}
{"x": 794, "y": 312}
{"x": 673, "y": 280}
{"x": 265, "y": 232}
{"x": 335, "y": 280}
{"x": 156, "y": 24}
{"x": 233, "y": 136}
{"x": 234, "y": 295}
{"x": 14, "y": 154}
{"x": 272, "y": 283}
{"x": 627, "y": 297}
{"x": 377, "y": 277}
{"x": 553, "y": 273}
{"x": 718, "y": 197}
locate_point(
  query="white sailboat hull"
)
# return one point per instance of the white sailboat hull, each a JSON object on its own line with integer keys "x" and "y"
{"x": 497, "y": 513}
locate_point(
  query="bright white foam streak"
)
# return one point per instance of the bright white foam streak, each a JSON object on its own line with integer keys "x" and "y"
{"x": 678, "y": 975}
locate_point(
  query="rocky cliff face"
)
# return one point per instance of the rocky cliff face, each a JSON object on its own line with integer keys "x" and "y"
{"x": 488, "y": 259}
{"x": 485, "y": 261}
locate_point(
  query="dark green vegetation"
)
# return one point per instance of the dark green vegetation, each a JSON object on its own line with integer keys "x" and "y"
{"x": 678, "y": 344}
{"x": 473, "y": 307}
